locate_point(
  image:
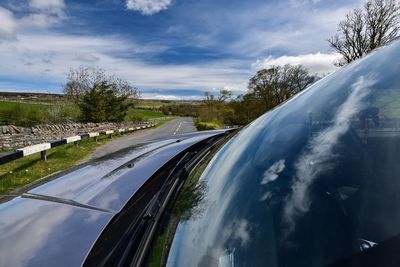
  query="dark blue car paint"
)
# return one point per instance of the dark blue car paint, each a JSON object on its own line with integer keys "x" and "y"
{"x": 57, "y": 223}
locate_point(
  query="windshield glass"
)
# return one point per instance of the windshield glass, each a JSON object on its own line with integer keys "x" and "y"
{"x": 314, "y": 181}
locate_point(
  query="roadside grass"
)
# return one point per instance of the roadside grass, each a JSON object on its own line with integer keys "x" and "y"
{"x": 164, "y": 121}
{"x": 28, "y": 169}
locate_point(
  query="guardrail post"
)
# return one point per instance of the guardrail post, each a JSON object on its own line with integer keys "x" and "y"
{"x": 43, "y": 155}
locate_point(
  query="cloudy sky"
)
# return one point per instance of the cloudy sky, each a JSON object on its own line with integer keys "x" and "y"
{"x": 169, "y": 49}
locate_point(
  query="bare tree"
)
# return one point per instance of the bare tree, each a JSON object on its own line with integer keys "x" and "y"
{"x": 275, "y": 85}
{"x": 224, "y": 95}
{"x": 365, "y": 29}
{"x": 83, "y": 79}
{"x": 213, "y": 104}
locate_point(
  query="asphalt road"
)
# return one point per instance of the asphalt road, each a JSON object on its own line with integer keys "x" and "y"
{"x": 174, "y": 127}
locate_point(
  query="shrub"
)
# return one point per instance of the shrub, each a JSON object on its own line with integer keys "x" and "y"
{"x": 103, "y": 103}
{"x": 203, "y": 126}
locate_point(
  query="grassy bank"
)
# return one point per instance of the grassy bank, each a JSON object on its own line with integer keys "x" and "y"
{"x": 28, "y": 169}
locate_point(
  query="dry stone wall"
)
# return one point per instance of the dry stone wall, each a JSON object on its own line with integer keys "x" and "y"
{"x": 16, "y": 137}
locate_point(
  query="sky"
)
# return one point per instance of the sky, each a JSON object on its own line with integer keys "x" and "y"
{"x": 169, "y": 49}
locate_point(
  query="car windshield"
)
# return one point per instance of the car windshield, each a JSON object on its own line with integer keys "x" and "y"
{"x": 309, "y": 183}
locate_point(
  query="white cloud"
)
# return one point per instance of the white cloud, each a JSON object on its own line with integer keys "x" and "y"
{"x": 291, "y": 29}
{"x": 320, "y": 157}
{"x": 47, "y": 5}
{"x": 47, "y": 57}
{"x": 299, "y": 3}
{"x": 8, "y": 25}
{"x": 40, "y": 14}
{"x": 160, "y": 96}
{"x": 43, "y": 55}
{"x": 39, "y": 20}
{"x": 87, "y": 57}
{"x": 316, "y": 63}
{"x": 148, "y": 7}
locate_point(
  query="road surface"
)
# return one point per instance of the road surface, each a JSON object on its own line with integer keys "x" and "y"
{"x": 174, "y": 127}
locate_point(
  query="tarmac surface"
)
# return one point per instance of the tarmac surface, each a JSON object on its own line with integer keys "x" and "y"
{"x": 177, "y": 126}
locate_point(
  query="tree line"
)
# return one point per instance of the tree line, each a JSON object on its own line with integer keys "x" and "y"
{"x": 266, "y": 89}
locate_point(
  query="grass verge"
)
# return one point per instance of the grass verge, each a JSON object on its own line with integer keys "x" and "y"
{"x": 164, "y": 121}
{"x": 28, "y": 169}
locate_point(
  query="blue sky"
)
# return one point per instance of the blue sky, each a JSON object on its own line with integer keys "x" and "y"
{"x": 169, "y": 49}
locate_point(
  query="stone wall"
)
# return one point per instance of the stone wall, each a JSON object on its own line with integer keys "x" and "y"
{"x": 18, "y": 137}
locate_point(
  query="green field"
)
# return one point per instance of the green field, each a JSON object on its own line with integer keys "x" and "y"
{"x": 22, "y": 113}
{"x": 150, "y": 104}
{"x": 28, "y": 114}
{"x": 143, "y": 114}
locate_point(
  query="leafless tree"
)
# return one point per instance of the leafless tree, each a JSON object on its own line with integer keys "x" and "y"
{"x": 365, "y": 29}
{"x": 224, "y": 95}
{"x": 82, "y": 79}
{"x": 213, "y": 104}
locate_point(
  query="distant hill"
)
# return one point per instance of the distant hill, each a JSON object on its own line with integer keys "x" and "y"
{"x": 48, "y": 98}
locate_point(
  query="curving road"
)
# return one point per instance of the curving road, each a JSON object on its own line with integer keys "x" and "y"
{"x": 171, "y": 128}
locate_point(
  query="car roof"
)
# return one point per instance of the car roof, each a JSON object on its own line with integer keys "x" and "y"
{"x": 57, "y": 223}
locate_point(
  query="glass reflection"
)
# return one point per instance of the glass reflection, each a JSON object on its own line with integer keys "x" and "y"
{"x": 308, "y": 183}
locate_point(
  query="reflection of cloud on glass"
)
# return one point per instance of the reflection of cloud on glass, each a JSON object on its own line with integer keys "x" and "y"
{"x": 238, "y": 229}
{"x": 266, "y": 196}
{"x": 318, "y": 158}
{"x": 201, "y": 232}
{"x": 272, "y": 173}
